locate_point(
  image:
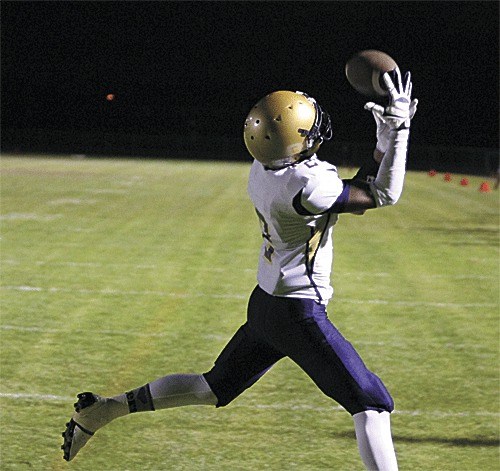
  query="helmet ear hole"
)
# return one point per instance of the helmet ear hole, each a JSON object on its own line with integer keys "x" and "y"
{"x": 268, "y": 138}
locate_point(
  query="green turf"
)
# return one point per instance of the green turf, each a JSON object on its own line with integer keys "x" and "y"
{"x": 116, "y": 272}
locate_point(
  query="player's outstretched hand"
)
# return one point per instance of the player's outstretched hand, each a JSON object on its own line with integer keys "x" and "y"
{"x": 398, "y": 112}
{"x": 401, "y": 108}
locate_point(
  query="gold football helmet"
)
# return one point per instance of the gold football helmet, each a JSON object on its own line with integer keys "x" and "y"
{"x": 285, "y": 127}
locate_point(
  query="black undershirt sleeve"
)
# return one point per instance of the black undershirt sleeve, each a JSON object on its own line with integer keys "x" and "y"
{"x": 367, "y": 172}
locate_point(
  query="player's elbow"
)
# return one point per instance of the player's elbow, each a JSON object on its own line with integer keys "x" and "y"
{"x": 386, "y": 197}
{"x": 392, "y": 198}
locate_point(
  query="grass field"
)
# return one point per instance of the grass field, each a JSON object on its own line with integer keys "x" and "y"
{"x": 116, "y": 272}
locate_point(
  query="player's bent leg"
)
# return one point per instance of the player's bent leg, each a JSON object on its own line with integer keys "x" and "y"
{"x": 337, "y": 369}
{"x": 373, "y": 434}
{"x": 335, "y": 366}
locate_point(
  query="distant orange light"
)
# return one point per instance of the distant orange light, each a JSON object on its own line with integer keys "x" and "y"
{"x": 110, "y": 97}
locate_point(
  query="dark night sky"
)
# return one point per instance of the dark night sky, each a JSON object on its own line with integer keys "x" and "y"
{"x": 176, "y": 65}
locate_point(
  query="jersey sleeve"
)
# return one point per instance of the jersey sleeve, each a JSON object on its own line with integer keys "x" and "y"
{"x": 321, "y": 191}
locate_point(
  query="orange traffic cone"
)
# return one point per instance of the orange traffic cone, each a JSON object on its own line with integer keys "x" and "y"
{"x": 485, "y": 187}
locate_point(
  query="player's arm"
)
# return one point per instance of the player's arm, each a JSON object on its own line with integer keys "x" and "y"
{"x": 380, "y": 182}
{"x": 359, "y": 196}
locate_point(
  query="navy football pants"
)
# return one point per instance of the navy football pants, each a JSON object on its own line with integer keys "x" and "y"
{"x": 280, "y": 327}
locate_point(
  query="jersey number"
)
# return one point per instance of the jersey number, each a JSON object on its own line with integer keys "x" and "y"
{"x": 269, "y": 250}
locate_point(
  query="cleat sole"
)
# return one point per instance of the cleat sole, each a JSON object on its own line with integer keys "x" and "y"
{"x": 85, "y": 399}
{"x": 68, "y": 437}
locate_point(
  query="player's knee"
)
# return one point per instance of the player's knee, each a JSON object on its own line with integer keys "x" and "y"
{"x": 223, "y": 396}
{"x": 377, "y": 397}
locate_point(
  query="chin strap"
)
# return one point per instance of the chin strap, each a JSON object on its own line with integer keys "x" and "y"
{"x": 289, "y": 161}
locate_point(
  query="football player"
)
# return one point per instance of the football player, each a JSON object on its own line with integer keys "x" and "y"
{"x": 297, "y": 198}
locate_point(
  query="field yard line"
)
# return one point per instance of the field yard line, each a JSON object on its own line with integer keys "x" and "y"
{"x": 415, "y": 303}
{"x": 30, "y": 217}
{"x": 277, "y": 407}
{"x": 307, "y": 407}
{"x": 458, "y": 276}
{"x": 225, "y": 338}
{"x": 43, "y": 330}
{"x": 116, "y": 292}
{"x": 117, "y": 265}
{"x": 357, "y": 274}
{"x": 35, "y": 397}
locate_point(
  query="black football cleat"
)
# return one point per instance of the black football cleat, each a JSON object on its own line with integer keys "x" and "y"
{"x": 89, "y": 416}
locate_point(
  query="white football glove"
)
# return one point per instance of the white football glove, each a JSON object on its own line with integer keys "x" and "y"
{"x": 401, "y": 108}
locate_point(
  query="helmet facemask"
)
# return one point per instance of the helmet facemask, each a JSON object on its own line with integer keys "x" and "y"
{"x": 322, "y": 127}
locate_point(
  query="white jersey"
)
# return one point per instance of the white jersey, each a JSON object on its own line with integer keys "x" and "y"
{"x": 297, "y": 250}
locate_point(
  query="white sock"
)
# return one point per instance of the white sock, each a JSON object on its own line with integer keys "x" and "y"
{"x": 181, "y": 390}
{"x": 373, "y": 432}
{"x": 170, "y": 391}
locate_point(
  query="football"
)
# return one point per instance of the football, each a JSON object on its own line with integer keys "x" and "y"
{"x": 364, "y": 72}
